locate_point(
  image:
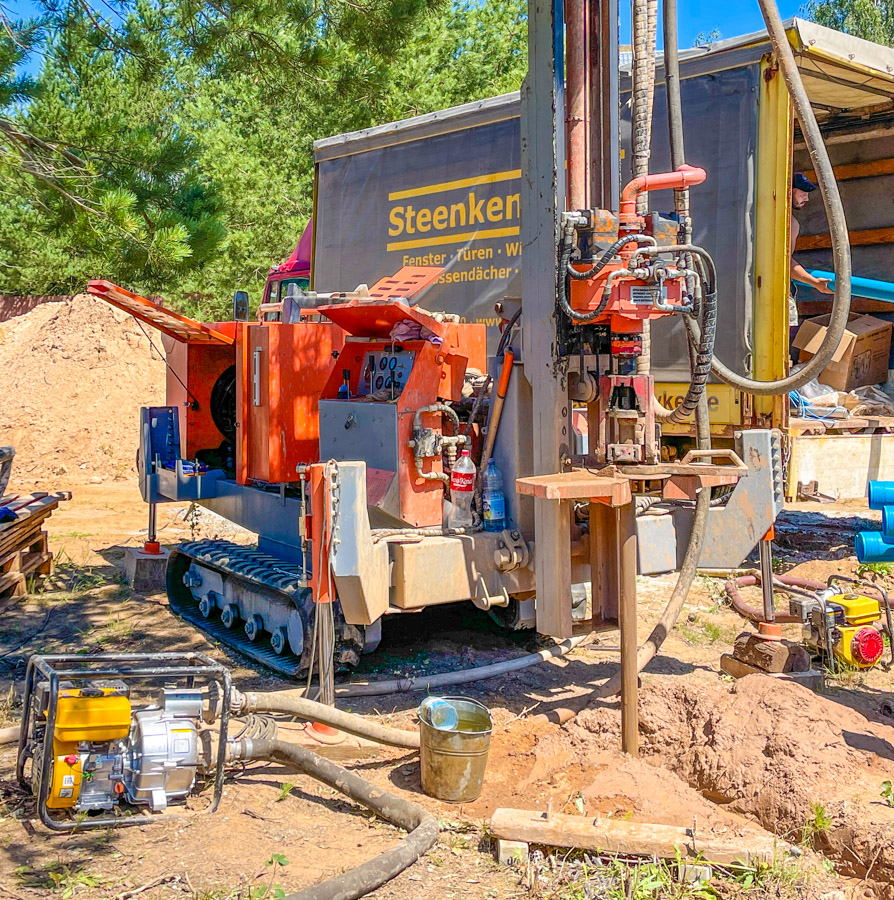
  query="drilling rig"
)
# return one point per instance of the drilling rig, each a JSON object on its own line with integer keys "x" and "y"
{"x": 330, "y": 428}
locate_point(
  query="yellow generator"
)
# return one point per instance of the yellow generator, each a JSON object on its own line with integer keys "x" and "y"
{"x": 846, "y": 626}
{"x": 110, "y": 732}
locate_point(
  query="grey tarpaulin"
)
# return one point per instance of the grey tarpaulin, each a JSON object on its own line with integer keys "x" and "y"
{"x": 414, "y": 197}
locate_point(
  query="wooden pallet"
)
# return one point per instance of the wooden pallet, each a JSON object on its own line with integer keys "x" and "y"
{"x": 22, "y": 568}
{"x": 25, "y": 558}
{"x": 852, "y": 425}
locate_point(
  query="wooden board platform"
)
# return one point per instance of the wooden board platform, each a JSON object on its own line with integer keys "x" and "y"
{"x": 852, "y": 425}
{"x": 605, "y": 835}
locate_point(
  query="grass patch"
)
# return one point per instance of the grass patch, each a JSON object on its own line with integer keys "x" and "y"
{"x": 58, "y": 877}
{"x": 576, "y": 875}
{"x": 818, "y": 822}
{"x": 876, "y": 570}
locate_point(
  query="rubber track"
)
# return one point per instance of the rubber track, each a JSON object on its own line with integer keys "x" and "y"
{"x": 255, "y": 569}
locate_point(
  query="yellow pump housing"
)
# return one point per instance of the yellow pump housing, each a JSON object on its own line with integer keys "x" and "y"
{"x": 94, "y": 713}
{"x": 859, "y": 610}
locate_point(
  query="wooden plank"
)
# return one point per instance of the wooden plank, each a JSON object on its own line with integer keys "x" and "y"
{"x": 859, "y": 170}
{"x": 578, "y": 484}
{"x": 864, "y": 238}
{"x": 633, "y": 838}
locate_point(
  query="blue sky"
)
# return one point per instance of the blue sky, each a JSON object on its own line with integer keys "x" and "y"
{"x": 732, "y": 17}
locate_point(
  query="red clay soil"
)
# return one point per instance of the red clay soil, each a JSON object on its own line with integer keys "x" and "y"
{"x": 772, "y": 750}
{"x": 75, "y": 374}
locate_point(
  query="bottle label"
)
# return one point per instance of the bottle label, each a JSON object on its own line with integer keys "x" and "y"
{"x": 494, "y": 507}
{"x": 462, "y": 481}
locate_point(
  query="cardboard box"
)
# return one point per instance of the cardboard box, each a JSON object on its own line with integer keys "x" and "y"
{"x": 861, "y": 357}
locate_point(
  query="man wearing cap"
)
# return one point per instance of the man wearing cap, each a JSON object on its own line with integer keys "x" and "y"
{"x": 802, "y": 188}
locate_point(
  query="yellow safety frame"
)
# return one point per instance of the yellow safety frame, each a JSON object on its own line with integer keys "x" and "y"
{"x": 772, "y": 231}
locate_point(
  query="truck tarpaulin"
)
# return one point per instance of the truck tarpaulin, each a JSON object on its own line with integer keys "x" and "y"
{"x": 438, "y": 190}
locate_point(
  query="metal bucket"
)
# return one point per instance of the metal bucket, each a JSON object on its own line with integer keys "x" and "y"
{"x": 453, "y": 762}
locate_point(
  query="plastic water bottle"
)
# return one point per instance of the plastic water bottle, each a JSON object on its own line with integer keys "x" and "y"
{"x": 440, "y": 713}
{"x": 462, "y": 487}
{"x": 494, "y": 500}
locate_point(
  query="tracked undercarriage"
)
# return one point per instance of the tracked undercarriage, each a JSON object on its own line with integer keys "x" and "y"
{"x": 256, "y": 604}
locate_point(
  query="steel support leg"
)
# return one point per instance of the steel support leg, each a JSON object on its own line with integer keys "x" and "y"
{"x": 765, "y": 552}
{"x": 626, "y": 542}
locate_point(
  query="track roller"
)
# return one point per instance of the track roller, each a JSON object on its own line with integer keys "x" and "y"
{"x": 254, "y": 627}
{"x": 268, "y": 595}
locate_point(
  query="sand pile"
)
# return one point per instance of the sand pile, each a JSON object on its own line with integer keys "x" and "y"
{"x": 777, "y": 752}
{"x": 74, "y": 375}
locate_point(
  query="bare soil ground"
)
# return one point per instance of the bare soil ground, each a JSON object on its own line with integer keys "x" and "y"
{"x": 721, "y": 757}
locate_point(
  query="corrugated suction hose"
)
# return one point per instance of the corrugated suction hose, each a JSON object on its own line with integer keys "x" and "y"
{"x": 422, "y": 827}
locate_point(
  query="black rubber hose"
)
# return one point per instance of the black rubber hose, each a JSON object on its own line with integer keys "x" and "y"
{"x": 422, "y": 827}
{"x": 507, "y": 331}
{"x": 841, "y": 254}
{"x": 564, "y": 305}
{"x": 603, "y": 261}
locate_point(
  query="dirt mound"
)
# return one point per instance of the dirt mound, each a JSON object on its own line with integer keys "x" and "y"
{"x": 802, "y": 765}
{"x": 74, "y": 375}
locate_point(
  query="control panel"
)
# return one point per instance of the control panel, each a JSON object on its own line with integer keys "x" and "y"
{"x": 385, "y": 373}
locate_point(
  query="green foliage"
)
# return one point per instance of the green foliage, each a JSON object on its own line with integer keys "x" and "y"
{"x": 171, "y": 149}
{"x": 888, "y": 793}
{"x": 704, "y": 38}
{"x": 818, "y": 822}
{"x": 869, "y": 19}
{"x": 878, "y": 569}
{"x": 64, "y": 879}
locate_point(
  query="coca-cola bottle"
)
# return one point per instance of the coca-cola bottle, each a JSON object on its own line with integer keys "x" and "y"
{"x": 462, "y": 487}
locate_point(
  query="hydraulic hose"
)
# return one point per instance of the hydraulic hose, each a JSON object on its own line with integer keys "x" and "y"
{"x": 841, "y": 254}
{"x": 422, "y": 827}
{"x": 293, "y": 704}
{"x": 465, "y": 676}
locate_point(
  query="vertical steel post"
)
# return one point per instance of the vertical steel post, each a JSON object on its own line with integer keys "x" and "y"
{"x": 151, "y": 535}
{"x": 543, "y": 183}
{"x": 577, "y": 118}
{"x": 326, "y": 653}
{"x": 626, "y": 537}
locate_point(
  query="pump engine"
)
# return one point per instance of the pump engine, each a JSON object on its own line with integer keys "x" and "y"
{"x": 98, "y": 742}
{"x": 845, "y": 626}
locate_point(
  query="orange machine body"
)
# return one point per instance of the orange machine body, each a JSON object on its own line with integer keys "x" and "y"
{"x": 433, "y": 373}
{"x": 283, "y": 369}
{"x": 193, "y": 369}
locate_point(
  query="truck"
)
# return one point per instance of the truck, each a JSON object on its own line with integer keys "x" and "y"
{"x": 443, "y": 189}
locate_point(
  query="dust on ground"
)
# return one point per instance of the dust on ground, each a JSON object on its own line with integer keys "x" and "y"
{"x": 718, "y": 757}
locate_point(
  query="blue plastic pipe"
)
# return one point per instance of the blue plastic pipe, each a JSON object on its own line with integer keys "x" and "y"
{"x": 881, "y": 494}
{"x": 888, "y": 523}
{"x": 872, "y": 547}
{"x": 862, "y": 287}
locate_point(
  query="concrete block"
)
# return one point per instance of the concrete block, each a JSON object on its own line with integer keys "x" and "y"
{"x": 146, "y": 571}
{"x": 812, "y": 678}
{"x": 690, "y": 874}
{"x": 511, "y": 853}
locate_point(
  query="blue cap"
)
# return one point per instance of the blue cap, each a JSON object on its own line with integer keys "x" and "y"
{"x": 802, "y": 183}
